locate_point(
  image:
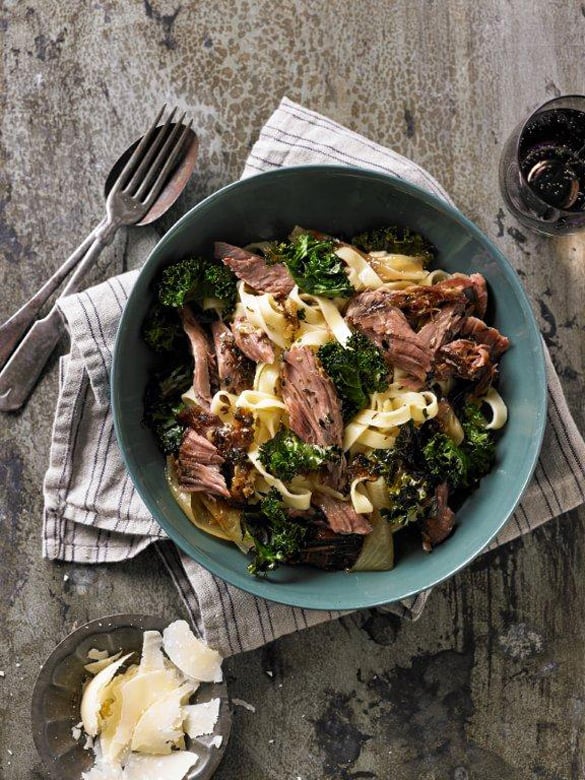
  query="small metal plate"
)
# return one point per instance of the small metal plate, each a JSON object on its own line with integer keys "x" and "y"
{"x": 57, "y": 697}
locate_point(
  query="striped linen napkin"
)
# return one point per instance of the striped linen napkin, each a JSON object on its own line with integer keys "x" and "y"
{"x": 92, "y": 512}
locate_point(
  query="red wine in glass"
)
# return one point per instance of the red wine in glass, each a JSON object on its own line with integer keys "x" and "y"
{"x": 542, "y": 169}
{"x": 550, "y": 152}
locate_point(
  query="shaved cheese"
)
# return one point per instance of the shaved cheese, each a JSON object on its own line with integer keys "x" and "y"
{"x": 101, "y": 663}
{"x": 103, "y": 771}
{"x": 140, "y": 717}
{"x": 107, "y": 736}
{"x": 161, "y": 726}
{"x": 152, "y": 657}
{"x": 172, "y": 767}
{"x": 137, "y": 696}
{"x": 95, "y": 694}
{"x": 97, "y": 655}
{"x": 200, "y": 719}
{"x": 192, "y": 656}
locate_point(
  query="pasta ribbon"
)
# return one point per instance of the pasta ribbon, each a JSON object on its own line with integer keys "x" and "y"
{"x": 498, "y": 408}
{"x": 263, "y": 311}
{"x": 393, "y": 268}
{"x": 321, "y": 319}
{"x": 360, "y": 272}
{"x": 297, "y": 496}
{"x": 376, "y": 426}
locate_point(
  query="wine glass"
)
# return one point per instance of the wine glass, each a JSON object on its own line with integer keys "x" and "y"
{"x": 542, "y": 168}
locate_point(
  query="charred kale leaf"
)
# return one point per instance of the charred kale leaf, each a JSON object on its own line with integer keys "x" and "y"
{"x": 277, "y": 537}
{"x": 315, "y": 267}
{"x": 162, "y": 330}
{"x": 195, "y": 279}
{"x": 410, "y": 497}
{"x": 286, "y": 455}
{"x": 424, "y": 456}
{"x": 162, "y": 404}
{"x": 357, "y": 370}
{"x": 395, "y": 240}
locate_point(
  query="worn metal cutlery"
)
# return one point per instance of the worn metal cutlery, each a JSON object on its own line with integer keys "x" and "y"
{"x": 145, "y": 182}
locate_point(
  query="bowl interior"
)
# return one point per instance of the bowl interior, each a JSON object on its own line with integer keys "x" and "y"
{"x": 56, "y": 697}
{"x": 341, "y": 201}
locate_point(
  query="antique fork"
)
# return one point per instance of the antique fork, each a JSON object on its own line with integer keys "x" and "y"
{"x": 129, "y": 200}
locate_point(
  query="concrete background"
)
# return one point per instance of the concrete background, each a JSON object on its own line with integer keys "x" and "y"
{"x": 490, "y": 683}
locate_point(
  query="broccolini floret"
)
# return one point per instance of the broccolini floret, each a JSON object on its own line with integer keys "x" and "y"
{"x": 277, "y": 537}
{"x": 315, "y": 267}
{"x": 395, "y": 240}
{"x": 162, "y": 404}
{"x": 357, "y": 370}
{"x": 195, "y": 279}
{"x": 286, "y": 455}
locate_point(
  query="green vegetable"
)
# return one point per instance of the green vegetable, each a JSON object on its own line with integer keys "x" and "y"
{"x": 410, "y": 486}
{"x": 357, "y": 371}
{"x": 410, "y": 496}
{"x": 462, "y": 466}
{"x": 162, "y": 329}
{"x": 423, "y": 457}
{"x": 446, "y": 461}
{"x": 277, "y": 537}
{"x": 395, "y": 240}
{"x": 478, "y": 443}
{"x": 286, "y": 455}
{"x": 315, "y": 267}
{"x": 162, "y": 404}
{"x": 194, "y": 279}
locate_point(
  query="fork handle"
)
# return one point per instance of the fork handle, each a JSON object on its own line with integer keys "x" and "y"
{"x": 20, "y": 375}
{"x": 12, "y": 331}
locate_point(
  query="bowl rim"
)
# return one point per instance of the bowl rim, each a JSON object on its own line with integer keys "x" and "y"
{"x": 271, "y": 590}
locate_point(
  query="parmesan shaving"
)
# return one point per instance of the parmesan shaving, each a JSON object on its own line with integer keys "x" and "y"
{"x": 189, "y": 654}
{"x": 101, "y": 663}
{"x": 172, "y": 767}
{"x": 200, "y": 719}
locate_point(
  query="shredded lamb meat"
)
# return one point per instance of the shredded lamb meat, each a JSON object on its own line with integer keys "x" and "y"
{"x": 203, "y": 356}
{"x": 313, "y": 406}
{"x": 476, "y": 330}
{"x": 439, "y": 524}
{"x": 253, "y": 342}
{"x": 468, "y": 360}
{"x": 341, "y": 516}
{"x": 235, "y": 371}
{"x": 198, "y": 466}
{"x": 373, "y": 314}
{"x": 442, "y": 327}
{"x": 254, "y": 270}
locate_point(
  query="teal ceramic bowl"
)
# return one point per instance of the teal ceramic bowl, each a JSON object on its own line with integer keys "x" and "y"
{"x": 341, "y": 201}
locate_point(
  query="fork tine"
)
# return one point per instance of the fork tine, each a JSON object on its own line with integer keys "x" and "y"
{"x": 149, "y": 176}
{"x": 167, "y": 167}
{"x": 137, "y": 153}
{"x": 144, "y": 166}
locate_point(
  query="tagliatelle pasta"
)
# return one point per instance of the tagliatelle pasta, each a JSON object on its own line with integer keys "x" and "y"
{"x": 376, "y": 426}
{"x": 359, "y": 358}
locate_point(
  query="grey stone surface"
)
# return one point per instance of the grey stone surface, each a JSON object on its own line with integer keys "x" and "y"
{"x": 490, "y": 683}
